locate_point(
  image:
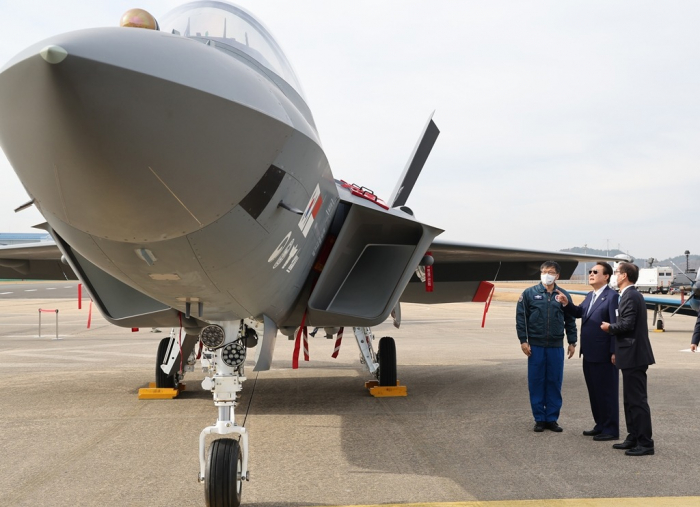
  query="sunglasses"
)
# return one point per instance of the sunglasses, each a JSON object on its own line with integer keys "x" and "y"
{"x": 593, "y": 271}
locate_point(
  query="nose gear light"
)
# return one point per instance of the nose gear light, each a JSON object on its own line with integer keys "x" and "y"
{"x": 233, "y": 354}
{"x": 213, "y": 336}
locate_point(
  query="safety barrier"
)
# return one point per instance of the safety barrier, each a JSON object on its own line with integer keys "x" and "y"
{"x": 48, "y": 311}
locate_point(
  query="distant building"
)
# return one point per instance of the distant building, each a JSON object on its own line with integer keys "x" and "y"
{"x": 15, "y": 238}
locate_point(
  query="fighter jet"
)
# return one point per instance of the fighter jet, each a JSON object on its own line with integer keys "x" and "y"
{"x": 182, "y": 177}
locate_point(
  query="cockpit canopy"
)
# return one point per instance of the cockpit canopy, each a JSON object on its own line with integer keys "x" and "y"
{"x": 229, "y": 24}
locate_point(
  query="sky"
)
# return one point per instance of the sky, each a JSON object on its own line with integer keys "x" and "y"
{"x": 562, "y": 124}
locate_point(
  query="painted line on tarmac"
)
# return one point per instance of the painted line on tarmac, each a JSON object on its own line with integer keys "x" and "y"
{"x": 676, "y": 501}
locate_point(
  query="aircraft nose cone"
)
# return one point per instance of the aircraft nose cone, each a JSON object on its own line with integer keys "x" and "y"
{"x": 108, "y": 141}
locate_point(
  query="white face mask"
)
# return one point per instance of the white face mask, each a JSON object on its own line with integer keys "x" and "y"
{"x": 547, "y": 279}
{"x": 613, "y": 282}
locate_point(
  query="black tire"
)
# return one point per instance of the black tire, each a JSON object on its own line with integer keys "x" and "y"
{"x": 387, "y": 362}
{"x": 660, "y": 325}
{"x": 222, "y": 485}
{"x": 163, "y": 381}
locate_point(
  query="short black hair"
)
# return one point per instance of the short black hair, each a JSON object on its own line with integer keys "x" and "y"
{"x": 631, "y": 270}
{"x": 607, "y": 268}
{"x": 550, "y": 264}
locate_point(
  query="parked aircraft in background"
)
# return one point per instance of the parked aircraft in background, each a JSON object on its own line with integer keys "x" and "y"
{"x": 180, "y": 173}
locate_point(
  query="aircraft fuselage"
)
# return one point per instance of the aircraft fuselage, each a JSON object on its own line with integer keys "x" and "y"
{"x": 162, "y": 161}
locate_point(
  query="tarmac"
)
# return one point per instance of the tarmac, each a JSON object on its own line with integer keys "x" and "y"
{"x": 75, "y": 434}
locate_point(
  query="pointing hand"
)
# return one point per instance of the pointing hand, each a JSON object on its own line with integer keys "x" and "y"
{"x": 561, "y": 298}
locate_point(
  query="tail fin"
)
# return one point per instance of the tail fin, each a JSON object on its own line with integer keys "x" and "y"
{"x": 415, "y": 164}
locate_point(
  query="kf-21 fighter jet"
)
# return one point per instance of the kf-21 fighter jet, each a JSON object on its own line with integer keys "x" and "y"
{"x": 182, "y": 177}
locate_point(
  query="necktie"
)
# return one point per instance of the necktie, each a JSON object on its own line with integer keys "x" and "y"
{"x": 592, "y": 301}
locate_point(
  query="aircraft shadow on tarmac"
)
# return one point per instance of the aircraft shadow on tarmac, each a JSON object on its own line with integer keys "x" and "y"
{"x": 472, "y": 425}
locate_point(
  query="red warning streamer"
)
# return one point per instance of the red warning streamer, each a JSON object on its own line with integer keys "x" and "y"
{"x": 484, "y": 294}
{"x": 428, "y": 276}
{"x": 297, "y": 344}
{"x": 306, "y": 343}
{"x": 338, "y": 341}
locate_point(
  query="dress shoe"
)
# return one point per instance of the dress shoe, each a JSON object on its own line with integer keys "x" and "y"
{"x": 539, "y": 426}
{"x": 627, "y": 444}
{"x": 640, "y": 451}
{"x": 603, "y": 437}
{"x": 591, "y": 433}
{"x": 553, "y": 426}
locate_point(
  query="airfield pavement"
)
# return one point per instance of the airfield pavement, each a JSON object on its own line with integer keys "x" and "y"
{"x": 73, "y": 432}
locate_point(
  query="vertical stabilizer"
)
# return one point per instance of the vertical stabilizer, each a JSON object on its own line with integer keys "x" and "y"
{"x": 415, "y": 164}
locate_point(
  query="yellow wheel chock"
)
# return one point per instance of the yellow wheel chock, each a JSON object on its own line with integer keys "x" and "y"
{"x": 154, "y": 393}
{"x": 385, "y": 391}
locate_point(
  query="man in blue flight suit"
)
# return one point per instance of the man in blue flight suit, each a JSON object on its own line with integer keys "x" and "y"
{"x": 541, "y": 323}
{"x": 598, "y": 351}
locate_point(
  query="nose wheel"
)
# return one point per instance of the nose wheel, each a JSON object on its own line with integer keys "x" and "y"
{"x": 223, "y": 483}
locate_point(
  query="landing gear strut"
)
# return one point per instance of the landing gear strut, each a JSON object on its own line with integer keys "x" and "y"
{"x": 226, "y": 467}
{"x": 382, "y": 364}
{"x": 658, "y": 319}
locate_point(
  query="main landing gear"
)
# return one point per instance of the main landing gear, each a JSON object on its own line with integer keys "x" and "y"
{"x": 658, "y": 319}
{"x": 381, "y": 364}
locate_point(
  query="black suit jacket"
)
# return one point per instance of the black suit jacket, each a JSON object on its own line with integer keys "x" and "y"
{"x": 596, "y": 345}
{"x": 696, "y": 333}
{"x": 632, "y": 346}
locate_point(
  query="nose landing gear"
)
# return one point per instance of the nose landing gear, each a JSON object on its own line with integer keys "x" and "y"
{"x": 226, "y": 466}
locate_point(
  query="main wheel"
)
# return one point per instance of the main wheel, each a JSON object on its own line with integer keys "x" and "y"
{"x": 163, "y": 381}
{"x": 387, "y": 362}
{"x": 222, "y": 481}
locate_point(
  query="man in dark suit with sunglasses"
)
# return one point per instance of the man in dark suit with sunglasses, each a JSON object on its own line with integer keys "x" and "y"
{"x": 633, "y": 355}
{"x": 598, "y": 351}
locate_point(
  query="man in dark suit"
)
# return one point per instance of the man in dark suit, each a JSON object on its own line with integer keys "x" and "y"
{"x": 633, "y": 356}
{"x": 695, "y": 340}
{"x": 598, "y": 351}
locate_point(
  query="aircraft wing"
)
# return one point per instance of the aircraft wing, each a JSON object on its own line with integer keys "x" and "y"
{"x": 33, "y": 261}
{"x": 459, "y": 269}
{"x": 670, "y": 305}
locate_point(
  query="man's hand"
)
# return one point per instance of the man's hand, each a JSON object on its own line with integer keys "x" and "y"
{"x": 561, "y": 298}
{"x": 612, "y": 359}
{"x": 605, "y": 326}
{"x": 572, "y": 349}
{"x": 526, "y": 349}
{"x": 693, "y": 347}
